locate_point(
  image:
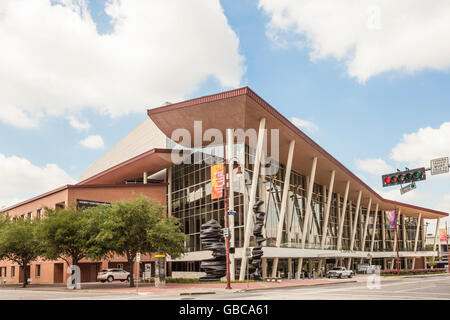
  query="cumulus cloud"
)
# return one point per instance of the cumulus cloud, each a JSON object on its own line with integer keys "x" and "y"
{"x": 93, "y": 142}
{"x": 20, "y": 179}
{"x": 79, "y": 125}
{"x": 371, "y": 37}
{"x": 53, "y": 60}
{"x": 418, "y": 148}
{"x": 305, "y": 124}
{"x": 376, "y": 166}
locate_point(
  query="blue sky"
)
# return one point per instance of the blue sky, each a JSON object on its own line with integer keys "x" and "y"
{"x": 361, "y": 104}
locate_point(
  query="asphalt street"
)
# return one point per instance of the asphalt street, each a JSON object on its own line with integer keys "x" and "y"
{"x": 414, "y": 288}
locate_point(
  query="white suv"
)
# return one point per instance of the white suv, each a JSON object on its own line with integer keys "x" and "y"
{"x": 340, "y": 272}
{"x": 113, "y": 274}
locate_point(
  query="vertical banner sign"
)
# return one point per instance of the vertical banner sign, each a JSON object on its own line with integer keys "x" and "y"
{"x": 217, "y": 181}
{"x": 390, "y": 219}
{"x": 443, "y": 235}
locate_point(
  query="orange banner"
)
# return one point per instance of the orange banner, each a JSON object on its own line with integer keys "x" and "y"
{"x": 443, "y": 234}
{"x": 217, "y": 181}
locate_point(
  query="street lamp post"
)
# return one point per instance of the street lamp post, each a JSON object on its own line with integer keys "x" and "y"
{"x": 226, "y": 189}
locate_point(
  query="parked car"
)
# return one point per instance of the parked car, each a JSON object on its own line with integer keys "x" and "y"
{"x": 113, "y": 274}
{"x": 339, "y": 272}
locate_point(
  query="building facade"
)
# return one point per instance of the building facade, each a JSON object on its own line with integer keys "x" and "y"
{"x": 318, "y": 213}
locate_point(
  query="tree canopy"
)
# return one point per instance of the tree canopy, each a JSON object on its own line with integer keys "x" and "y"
{"x": 66, "y": 233}
{"x": 19, "y": 243}
{"x": 139, "y": 225}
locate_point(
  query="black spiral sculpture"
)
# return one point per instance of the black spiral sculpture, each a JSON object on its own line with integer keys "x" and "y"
{"x": 212, "y": 239}
{"x": 257, "y": 252}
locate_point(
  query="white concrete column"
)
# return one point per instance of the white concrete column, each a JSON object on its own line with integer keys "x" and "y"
{"x": 145, "y": 177}
{"x": 327, "y": 209}
{"x": 404, "y": 231}
{"x": 416, "y": 238}
{"x": 300, "y": 267}
{"x": 366, "y": 223}
{"x": 169, "y": 191}
{"x": 308, "y": 201}
{"x": 249, "y": 222}
{"x": 264, "y": 267}
{"x": 436, "y": 233}
{"x": 355, "y": 223}
{"x": 230, "y": 155}
{"x": 372, "y": 242}
{"x": 284, "y": 200}
{"x": 342, "y": 219}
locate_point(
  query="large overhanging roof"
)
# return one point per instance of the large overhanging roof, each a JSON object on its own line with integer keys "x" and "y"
{"x": 151, "y": 162}
{"x": 243, "y": 108}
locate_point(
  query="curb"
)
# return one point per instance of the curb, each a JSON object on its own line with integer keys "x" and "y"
{"x": 196, "y": 293}
{"x": 297, "y": 286}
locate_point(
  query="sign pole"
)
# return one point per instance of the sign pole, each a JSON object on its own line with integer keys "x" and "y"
{"x": 398, "y": 258}
{"x": 446, "y": 235}
{"x": 225, "y": 199}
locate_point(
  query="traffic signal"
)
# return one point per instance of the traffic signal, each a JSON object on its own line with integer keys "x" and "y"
{"x": 404, "y": 177}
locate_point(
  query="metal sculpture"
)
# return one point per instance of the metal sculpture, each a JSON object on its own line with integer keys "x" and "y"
{"x": 257, "y": 252}
{"x": 212, "y": 239}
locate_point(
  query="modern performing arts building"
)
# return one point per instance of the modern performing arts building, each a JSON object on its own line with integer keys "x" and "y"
{"x": 318, "y": 213}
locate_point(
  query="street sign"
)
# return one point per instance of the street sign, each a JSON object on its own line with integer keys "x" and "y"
{"x": 408, "y": 188}
{"x": 439, "y": 166}
{"x": 231, "y": 213}
{"x": 138, "y": 257}
{"x": 226, "y": 232}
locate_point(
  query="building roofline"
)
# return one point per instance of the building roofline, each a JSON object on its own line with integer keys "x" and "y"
{"x": 125, "y": 163}
{"x": 76, "y": 186}
{"x": 250, "y": 93}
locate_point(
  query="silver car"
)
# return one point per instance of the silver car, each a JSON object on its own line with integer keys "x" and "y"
{"x": 340, "y": 272}
{"x": 113, "y": 274}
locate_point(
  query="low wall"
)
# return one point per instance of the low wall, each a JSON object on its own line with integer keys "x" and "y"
{"x": 187, "y": 275}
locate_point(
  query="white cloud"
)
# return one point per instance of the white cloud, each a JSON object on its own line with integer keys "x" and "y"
{"x": 93, "y": 142}
{"x": 79, "y": 125}
{"x": 53, "y": 61}
{"x": 370, "y": 36}
{"x": 418, "y": 148}
{"x": 20, "y": 179}
{"x": 305, "y": 124}
{"x": 412, "y": 197}
{"x": 376, "y": 166}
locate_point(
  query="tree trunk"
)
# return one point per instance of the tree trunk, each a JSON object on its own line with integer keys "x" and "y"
{"x": 130, "y": 263}
{"x": 74, "y": 278}
{"x": 24, "y": 267}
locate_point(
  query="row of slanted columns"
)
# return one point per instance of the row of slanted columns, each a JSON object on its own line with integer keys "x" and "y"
{"x": 307, "y": 221}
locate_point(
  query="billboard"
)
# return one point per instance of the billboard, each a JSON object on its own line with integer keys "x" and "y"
{"x": 390, "y": 219}
{"x": 217, "y": 181}
{"x": 442, "y": 234}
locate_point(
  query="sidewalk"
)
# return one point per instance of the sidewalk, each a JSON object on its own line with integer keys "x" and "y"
{"x": 181, "y": 288}
{"x": 363, "y": 278}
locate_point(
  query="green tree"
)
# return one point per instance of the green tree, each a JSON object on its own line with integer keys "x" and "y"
{"x": 139, "y": 225}
{"x": 66, "y": 234}
{"x": 19, "y": 243}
